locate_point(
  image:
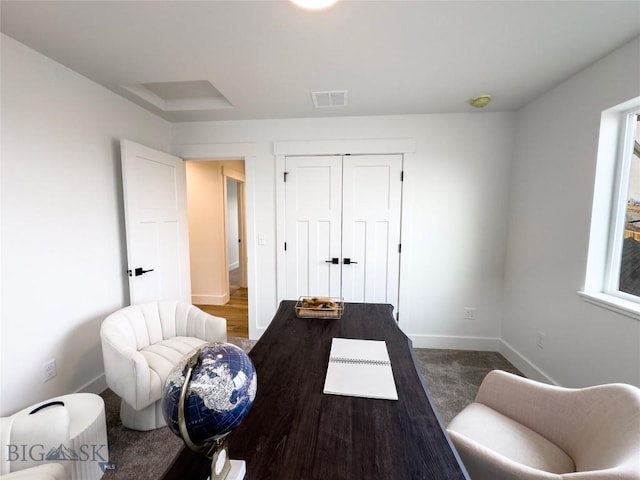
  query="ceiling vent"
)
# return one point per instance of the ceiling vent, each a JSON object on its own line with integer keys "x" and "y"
{"x": 335, "y": 98}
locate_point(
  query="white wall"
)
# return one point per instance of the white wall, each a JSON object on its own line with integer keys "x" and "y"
{"x": 454, "y": 223}
{"x": 551, "y": 199}
{"x": 63, "y": 257}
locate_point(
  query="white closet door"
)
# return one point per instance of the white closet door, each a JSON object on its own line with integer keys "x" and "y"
{"x": 313, "y": 203}
{"x": 371, "y": 209}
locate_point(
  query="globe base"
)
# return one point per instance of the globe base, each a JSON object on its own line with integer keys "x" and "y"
{"x": 222, "y": 468}
{"x": 220, "y": 464}
{"x": 236, "y": 472}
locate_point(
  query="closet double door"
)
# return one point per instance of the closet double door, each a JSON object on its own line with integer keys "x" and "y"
{"x": 342, "y": 227}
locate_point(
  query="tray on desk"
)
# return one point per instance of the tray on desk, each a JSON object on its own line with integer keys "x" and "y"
{"x": 319, "y": 307}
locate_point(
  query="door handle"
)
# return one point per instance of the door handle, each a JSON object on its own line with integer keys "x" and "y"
{"x": 348, "y": 261}
{"x": 334, "y": 261}
{"x": 138, "y": 271}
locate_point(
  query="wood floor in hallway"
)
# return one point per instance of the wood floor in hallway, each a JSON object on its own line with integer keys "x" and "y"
{"x": 236, "y": 311}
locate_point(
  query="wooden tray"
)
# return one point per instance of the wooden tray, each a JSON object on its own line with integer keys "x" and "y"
{"x": 319, "y": 307}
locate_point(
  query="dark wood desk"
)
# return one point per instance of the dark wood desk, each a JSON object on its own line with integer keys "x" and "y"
{"x": 295, "y": 432}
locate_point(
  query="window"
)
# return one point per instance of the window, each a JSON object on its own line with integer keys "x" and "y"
{"x": 626, "y": 255}
{"x": 613, "y": 267}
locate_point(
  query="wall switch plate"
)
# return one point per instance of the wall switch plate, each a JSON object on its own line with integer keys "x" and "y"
{"x": 470, "y": 313}
{"x": 49, "y": 369}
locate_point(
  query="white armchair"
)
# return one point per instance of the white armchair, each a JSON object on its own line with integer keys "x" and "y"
{"x": 520, "y": 429}
{"x": 140, "y": 346}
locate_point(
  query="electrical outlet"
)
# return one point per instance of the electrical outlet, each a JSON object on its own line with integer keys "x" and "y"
{"x": 540, "y": 339}
{"x": 470, "y": 313}
{"x": 49, "y": 369}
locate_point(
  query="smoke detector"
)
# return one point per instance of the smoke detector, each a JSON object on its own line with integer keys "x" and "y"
{"x": 480, "y": 101}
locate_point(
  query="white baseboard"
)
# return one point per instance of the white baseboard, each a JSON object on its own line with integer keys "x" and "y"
{"x": 523, "y": 364}
{"x": 97, "y": 385}
{"x": 209, "y": 299}
{"x": 488, "y": 344}
{"x": 485, "y": 344}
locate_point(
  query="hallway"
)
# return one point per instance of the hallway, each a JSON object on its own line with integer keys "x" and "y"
{"x": 236, "y": 310}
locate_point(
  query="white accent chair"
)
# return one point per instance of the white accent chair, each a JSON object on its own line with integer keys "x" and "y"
{"x": 520, "y": 429}
{"x": 141, "y": 344}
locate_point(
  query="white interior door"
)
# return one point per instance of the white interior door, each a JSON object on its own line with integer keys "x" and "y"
{"x": 313, "y": 204}
{"x": 155, "y": 208}
{"x": 371, "y": 209}
{"x": 346, "y": 209}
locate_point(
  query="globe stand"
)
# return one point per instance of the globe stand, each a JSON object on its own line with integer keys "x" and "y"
{"x": 220, "y": 464}
{"x": 221, "y": 467}
{"x": 218, "y": 451}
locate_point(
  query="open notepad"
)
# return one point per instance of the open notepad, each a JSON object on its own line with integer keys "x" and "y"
{"x": 360, "y": 368}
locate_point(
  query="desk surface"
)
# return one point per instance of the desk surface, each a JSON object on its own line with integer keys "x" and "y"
{"x": 295, "y": 432}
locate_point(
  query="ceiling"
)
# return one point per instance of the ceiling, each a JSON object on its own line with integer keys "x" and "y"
{"x": 231, "y": 60}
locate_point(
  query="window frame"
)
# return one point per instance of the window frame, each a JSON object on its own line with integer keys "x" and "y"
{"x": 613, "y": 168}
{"x": 627, "y": 135}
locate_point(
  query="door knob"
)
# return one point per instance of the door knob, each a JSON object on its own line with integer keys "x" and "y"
{"x": 138, "y": 271}
{"x": 334, "y": 261}
{"x": 348, "y": 261}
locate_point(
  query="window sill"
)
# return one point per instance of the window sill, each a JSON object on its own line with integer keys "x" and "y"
{"x": 615, "y": 304}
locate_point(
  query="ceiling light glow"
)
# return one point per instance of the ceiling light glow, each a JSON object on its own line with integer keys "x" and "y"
{"x": 314, "y": 4}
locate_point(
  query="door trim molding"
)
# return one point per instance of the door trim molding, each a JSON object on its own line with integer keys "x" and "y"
{"x": 247, "y": 151}
{"x": 345, "y": 146}
{"x": 372, "y": 146}
{"x": 215, "y": 151}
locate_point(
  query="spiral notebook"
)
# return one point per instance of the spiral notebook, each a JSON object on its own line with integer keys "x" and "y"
{"x": 360, "y": 368}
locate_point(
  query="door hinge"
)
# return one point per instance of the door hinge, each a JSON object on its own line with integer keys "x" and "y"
{"x": 285, "y": 176}
{"x": 285, "y": 246}
{"x": 402, "y": 175}
{"x": 399, "y": 248}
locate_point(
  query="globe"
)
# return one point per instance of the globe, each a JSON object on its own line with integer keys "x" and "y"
{"x": 219, "y": 393}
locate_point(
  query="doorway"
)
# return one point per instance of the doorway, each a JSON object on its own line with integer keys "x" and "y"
{"x": 217, "y": 226}
{"x": 235, "y": 227}
{"x": 234, "y": 238}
